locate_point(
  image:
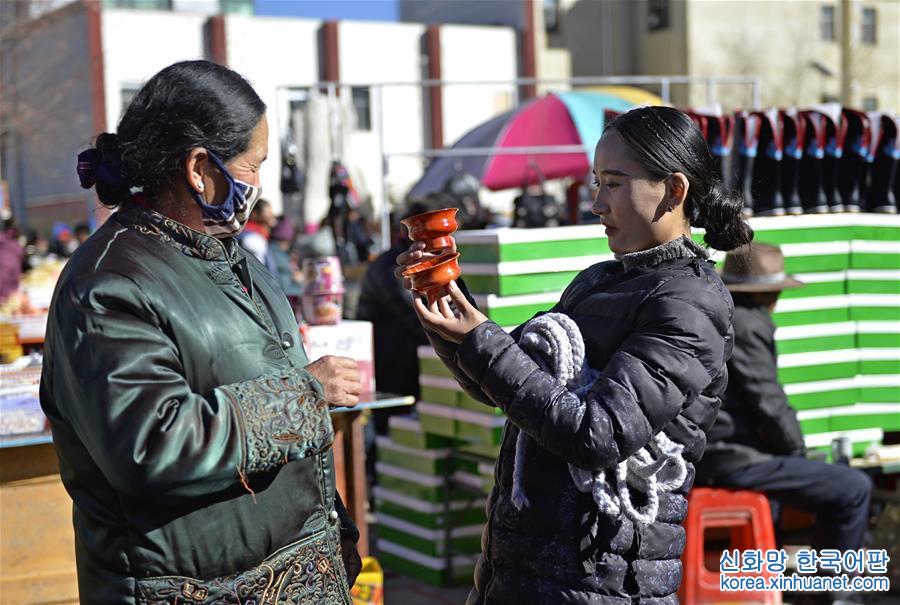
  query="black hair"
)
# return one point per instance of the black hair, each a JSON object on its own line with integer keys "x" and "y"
{"x": 664, "y": 141}
{"x": 186, "y": 105}
{"x": 428, "y": 203}
{"x": 261, "y": 205}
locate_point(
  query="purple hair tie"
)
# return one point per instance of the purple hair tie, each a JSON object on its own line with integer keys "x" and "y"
{"x": 94, "y": 168}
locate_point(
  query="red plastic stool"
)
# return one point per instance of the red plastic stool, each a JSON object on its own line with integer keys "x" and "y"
{"x": 749, "y": 520}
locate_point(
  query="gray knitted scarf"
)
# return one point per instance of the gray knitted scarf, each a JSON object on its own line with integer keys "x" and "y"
{"x": 555, "y": 343}
{"x": 677, "y": 248}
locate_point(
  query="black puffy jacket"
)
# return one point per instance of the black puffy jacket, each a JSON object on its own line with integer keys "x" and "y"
{"x": 658, "y": 325}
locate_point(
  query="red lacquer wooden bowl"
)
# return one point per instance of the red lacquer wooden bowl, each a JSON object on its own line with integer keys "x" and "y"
{"x": 434, "y": 228}
{"x": 432, "y": 275}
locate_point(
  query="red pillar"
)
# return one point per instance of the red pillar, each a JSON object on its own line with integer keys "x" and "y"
{"x": 527, "y": 58}
{"x": 216, "y": 47}
{"x": 329, "y": 54}
{"x": 98, "y": 88}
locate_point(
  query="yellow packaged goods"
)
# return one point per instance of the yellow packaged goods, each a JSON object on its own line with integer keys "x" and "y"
{"x": 10, "y": 349}
{"x": 369, "y": 587}
{"x": 9, "y": 333}
{"x": 35, "y": 290}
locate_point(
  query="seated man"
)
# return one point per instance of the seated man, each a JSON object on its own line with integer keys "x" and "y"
{"x": 756, "y": 443}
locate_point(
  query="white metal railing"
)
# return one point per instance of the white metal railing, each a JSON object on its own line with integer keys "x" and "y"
{"x": 664, "y": 83}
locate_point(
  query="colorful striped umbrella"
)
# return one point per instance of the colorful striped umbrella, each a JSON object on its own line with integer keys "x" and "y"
{"x": 633, "y": 94}
{"x": 557, "y": 119}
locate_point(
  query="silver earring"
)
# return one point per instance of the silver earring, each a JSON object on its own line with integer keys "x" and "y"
{"x": 200, "y": 186}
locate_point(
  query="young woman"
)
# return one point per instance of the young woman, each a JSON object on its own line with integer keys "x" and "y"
{"x": 656, "y": 328}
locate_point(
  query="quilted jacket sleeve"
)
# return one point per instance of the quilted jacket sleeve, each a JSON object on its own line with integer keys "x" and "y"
{"x": 116, "y": 379}
{"x": 675, "y": 352}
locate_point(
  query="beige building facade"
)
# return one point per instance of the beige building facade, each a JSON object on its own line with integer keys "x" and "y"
{"x": 793, "y": 46}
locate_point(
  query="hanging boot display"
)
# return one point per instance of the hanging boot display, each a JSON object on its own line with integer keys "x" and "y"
{"x": 718, "y": 131}
{"x": 721, "y": 140}
{"x": 835, "y": 134}
{"x": 811, "y": 186}
{"x": 853, "y": 165}
{"x": 884, "y": 153}
{"x": 746, "y": 128}
{"x": 766, "y": 184}
{"x": 793, "y": 130}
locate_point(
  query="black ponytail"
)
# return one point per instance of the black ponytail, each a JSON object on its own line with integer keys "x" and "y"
{"x": 664, "y": 141}
{"x": 112, "y": 186}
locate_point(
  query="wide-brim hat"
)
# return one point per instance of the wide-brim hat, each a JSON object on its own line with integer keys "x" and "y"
{"x": 757, "y": 267}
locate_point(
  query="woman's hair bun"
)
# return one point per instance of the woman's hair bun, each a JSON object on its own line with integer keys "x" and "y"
{"x": 722, "y": 216}
{"x": 100, "y": 167}
{"x": 107, "y": 142}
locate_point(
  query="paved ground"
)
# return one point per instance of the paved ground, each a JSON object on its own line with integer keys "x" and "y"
{"x": 401, "y": 590}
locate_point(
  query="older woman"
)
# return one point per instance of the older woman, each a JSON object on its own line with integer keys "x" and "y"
{"x": 193, "y": 434}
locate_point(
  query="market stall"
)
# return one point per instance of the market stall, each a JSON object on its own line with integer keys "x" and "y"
{"x": 839, "y": 346}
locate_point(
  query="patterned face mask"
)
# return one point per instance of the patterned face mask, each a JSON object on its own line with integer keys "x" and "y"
{"x": 228, "y": 218}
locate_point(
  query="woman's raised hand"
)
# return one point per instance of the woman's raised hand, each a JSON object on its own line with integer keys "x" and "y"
{"x": 416, "y": 254}
{"x": 440, "y": 318}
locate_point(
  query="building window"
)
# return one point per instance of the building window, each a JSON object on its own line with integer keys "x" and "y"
{"x": 159, "y": 5}
{"x": 657, "y": 15}
{"x": 362, "y": 105}
{"x": 870, "y": 104}
{"x": 830, "y": 98}
{"x": 239, "y": 7}
{"x": 551, "y": 15}
{"x": 869, "y": 26}
{"x": 826, "y": 23}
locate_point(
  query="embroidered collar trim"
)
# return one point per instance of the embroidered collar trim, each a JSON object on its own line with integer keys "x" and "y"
{"x": 191, "y": 242}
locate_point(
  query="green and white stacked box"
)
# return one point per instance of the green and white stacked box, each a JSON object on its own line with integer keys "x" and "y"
{"x": 438, "y": 386}
{"x": 429, "y": 516}
{"x": 840, "y": 348}
{"x": 483, "y": 429}
{"x": 437, "y": 571}
{"x": 407, "y": 431}
{"x": 838, "y": 337}
{"x": 511, "y": 262}
{"x": 430, "y": 488}
{"x": 432, "y": 542}
{"x": 429, "y": 462}
{"x": 474, "y": 481}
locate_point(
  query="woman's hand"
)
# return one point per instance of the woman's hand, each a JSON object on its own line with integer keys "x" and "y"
{"x": 339, "y": 377}
{"x": 440, "y": 318}
{"x": 416, "y": 254}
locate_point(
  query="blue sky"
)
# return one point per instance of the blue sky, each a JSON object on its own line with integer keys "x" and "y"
{"x": 365, "y": 10}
